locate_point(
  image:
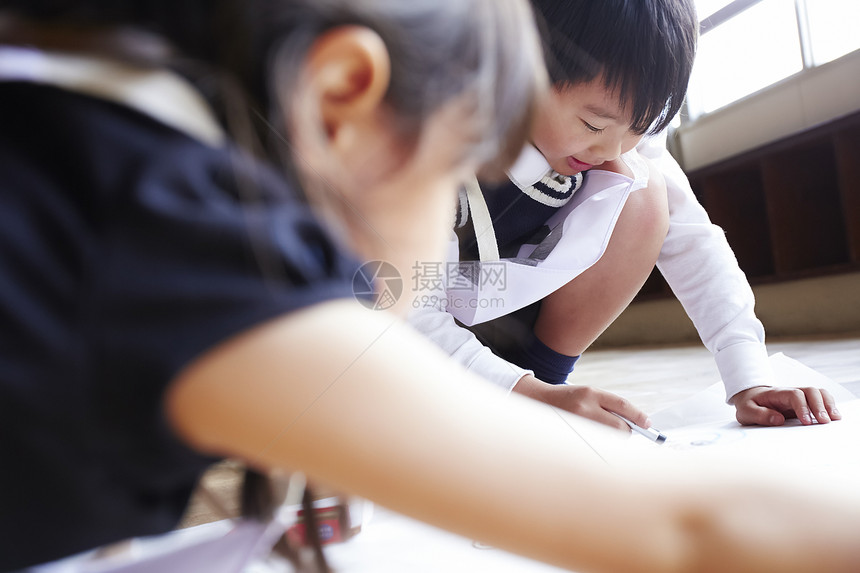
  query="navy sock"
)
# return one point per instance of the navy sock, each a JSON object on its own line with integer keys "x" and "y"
{"x": 547, "y": 364}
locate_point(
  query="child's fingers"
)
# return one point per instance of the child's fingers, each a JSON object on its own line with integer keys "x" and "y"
{"x": 597, "y": 414}
{"x": 805, "y": 403}
{"x": 607, "y": 405}
{"x": 817, "y": 400}
{"x": 601, "y": 406}
{"x": 618, "y": 405}
{"x": 771, "y": 406}
{"x": 793, "y": 400}
{"x": 611, "y": 420}
{"x": 751, "y": 414}
{"x": 830, "y": 404}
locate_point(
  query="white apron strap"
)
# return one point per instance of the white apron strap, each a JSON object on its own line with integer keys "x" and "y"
{"x": 488, "y": 247}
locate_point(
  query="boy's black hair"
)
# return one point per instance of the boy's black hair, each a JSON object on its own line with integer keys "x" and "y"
{"x": 643, "y": 49}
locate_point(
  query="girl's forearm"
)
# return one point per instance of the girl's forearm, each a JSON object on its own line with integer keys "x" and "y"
{"x": 372, "y": 409}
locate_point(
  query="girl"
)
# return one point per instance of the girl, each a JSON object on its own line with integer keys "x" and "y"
{"x": 137, "y": 239}
{"x": 166, "y": 300}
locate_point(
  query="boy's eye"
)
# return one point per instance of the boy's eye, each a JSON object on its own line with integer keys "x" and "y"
{"x": 591, "y": 128}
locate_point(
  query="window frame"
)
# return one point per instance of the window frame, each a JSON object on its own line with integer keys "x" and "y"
{"x": 734, "y": 9}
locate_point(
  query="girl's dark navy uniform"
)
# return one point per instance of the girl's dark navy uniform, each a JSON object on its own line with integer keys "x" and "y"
{"x": 126, "y": 251}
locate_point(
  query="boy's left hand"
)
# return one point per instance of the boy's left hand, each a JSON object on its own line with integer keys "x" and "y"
{"x": 769, "y": 406}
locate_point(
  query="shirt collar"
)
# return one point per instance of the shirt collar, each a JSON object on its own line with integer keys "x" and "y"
{"x": 160, "y": 94}
{"x": 529, "y": 168}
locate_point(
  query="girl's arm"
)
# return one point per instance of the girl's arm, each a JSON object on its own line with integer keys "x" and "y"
{"x": 358, "y": 401}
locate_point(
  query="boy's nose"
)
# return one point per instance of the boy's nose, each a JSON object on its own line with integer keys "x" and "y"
{"x": 606, "y": 150}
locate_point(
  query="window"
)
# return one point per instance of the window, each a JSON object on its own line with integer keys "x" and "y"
{"x": 748, "y": 45}
{"x": 706, "y": 8}
{"x": 744, "y": 54}
{"x": 832, "y": 28}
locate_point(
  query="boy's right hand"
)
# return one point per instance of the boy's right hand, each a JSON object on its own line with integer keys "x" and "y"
{"x": 585, "y": 401}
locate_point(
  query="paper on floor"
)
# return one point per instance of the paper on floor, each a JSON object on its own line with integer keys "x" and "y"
{"x": 709, "y": 406}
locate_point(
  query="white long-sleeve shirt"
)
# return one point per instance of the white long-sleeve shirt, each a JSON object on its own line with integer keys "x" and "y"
{"x": 695, "y": 260}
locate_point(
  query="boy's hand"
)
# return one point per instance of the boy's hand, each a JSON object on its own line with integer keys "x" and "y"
{"x": 585, "y": 401}
{"x": 768, "y": 406}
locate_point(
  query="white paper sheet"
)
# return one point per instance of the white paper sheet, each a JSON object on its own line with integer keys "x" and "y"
{"x": 704, "y": 427}
{"x": 708, "y": 406}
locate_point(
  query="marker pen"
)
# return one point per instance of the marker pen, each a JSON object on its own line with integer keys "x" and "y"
{"x": 651, "y": 433}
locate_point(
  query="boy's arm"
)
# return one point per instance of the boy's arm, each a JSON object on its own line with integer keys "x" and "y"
{"x": 466, "y": 349}
{"x": 701, "y": 268}
{"x": 429, "y": 317}
{"x": 439, "y": 326}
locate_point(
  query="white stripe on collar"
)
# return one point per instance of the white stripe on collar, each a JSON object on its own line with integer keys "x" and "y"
{"x": 565, "y": 185}
{"x": 160, "y": 94}
{"x": 530, "y": 167}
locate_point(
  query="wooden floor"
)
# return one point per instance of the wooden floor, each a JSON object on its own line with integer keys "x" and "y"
{"x": 650, "y": 377}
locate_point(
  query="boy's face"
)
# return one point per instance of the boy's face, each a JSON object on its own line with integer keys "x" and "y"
{"x": 582, "y": 126}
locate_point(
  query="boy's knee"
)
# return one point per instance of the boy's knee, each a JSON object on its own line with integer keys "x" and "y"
{"x": 648, "y": 212}
{"x": 654, "y": 204}
{"x": 657, "y": 200}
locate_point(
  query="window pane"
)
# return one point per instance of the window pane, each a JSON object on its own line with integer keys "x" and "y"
{"x": 833, "y": 28}
{"x": 705, "y": 8}
{"x": 753, "y": 50}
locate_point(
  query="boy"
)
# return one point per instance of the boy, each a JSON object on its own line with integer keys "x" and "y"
{"x": 564, "y": 248}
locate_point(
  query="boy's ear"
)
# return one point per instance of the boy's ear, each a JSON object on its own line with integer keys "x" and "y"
{"x": 350, "y": 70}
